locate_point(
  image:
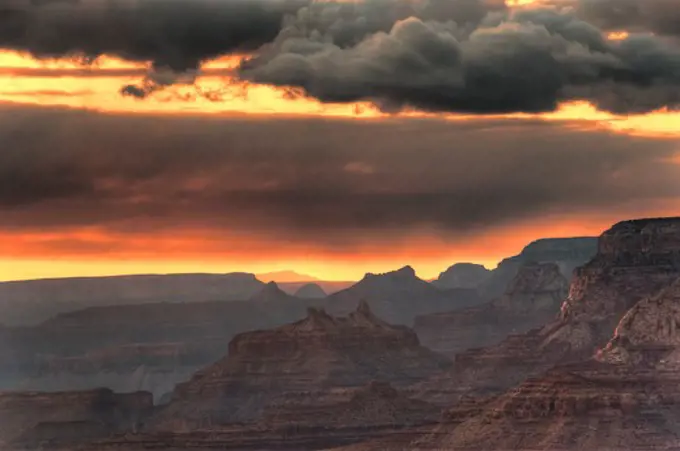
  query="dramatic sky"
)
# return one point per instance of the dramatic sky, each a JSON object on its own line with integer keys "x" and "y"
{"x": 331, "y": 137}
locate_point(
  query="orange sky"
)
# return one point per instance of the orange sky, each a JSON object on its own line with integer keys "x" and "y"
{"x": 27, "y": 81}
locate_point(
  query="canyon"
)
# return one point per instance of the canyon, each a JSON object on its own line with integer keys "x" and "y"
{"x": 546, "y": 364}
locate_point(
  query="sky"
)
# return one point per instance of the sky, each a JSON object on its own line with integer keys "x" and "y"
{"x": 328, "y": 137}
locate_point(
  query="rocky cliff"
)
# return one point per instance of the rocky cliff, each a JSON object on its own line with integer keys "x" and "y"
{"x": 616, "y": 393}
{"x": 398, "y": 296}
{"x": 627, "y": 397}
{"x": 302, "y": 359}
{"x": 531, "y": 299}
{"x": 27, "y": 419}
{"x": 567, "y": 253}
{"x": 322, "y": 381}
{"x": 635, "y": 259}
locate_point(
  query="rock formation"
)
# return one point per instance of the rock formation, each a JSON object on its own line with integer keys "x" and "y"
{"x": 567, "y": 253}
{"x": 635, "y": 259}
{"x": 310, "y": 291}
{"x": 621, "y": 393}
{"x": 462, "y": 275}
{"x": 312, "y": 355}
{"x": 531, "y": 299}
{"x": 398, "y": 296}
{"x": 29, "y": 418}
{"x": 626, "y": 398}
{"x": 322, "y": 381}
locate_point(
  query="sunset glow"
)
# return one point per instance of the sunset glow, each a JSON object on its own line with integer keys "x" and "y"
{"x": 95, "y": 89}
{"x": 218, "y": 92}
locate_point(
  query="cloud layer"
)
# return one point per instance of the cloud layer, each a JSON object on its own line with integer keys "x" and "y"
{"x": 313, "y": 180}
{"x": 523, "y": 60}
{"x": 437, "y": 55}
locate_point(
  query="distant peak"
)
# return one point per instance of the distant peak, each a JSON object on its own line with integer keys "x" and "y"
{"x": 270, "y": 291}
{"x": 405, "y": 272}
{"x": 310, "y": 291}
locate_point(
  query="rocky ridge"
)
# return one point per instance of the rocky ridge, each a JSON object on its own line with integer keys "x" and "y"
{"x": 567, "y": 253}
{"x": 531, "y": 299}
{"x": 33, "y": 301}
{"x": 305, "y": 359}
{"x": 398, "y": 296}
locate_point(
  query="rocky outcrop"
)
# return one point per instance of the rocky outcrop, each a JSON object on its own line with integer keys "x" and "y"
{"x": 310, "y": 291}
{"x": 635, "y": 260}
{"x": 567, "y": 253}
{"x": 626, "y": 398}
{"x": 302, "y": 359}
{"x": 398, "y": 296}
{"x": 462, "y": 275}
{"x": 322, "y": 381}
{"x": 27, "y": 419}
{"x": 33, "y": 301}
{"x": 531, "y": 299}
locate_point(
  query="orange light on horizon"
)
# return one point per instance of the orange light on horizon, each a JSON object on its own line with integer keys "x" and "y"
{"x": 30, "y": 255}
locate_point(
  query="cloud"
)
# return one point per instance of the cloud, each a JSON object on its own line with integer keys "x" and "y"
{"x": 296, "y": 179}
{"x": 476, "y": 56}
{"x": 661, "y": 17}
{"x": 173, "y": 36}
{"x": 526, "y": 60}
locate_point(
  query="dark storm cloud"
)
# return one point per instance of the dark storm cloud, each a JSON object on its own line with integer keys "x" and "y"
{"x": 314, "y": 179}
{"x": 524, "y": 60}
{"x": 174, "y": 35}
{"x": 661, "y": 17}
{"x": 439, "y": 55}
